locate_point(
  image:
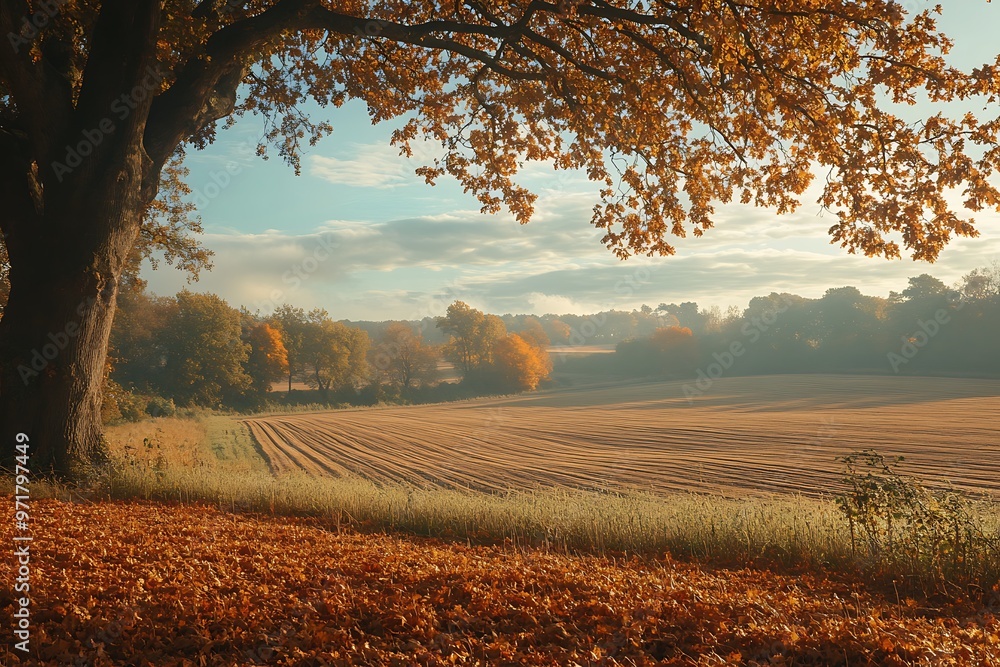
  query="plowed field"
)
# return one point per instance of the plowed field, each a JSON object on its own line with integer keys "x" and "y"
{"x": 742, "y": 436}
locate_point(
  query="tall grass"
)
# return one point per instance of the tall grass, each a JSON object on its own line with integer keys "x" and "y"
{"x": 792, "y": 530}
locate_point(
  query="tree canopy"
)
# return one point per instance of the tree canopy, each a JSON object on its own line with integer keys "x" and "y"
{"x": 670, "y": 107}
{"x": 268, "y": 357}
{"x": 520, "y": 363}
{"x": 204, "y": 351}
{"x": 335, "y": 353}
{"x": 404, "y": 356}
{"x": 474, "y": 336}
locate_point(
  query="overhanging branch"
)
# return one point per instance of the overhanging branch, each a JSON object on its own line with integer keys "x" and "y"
{"x": 187, "y": 106}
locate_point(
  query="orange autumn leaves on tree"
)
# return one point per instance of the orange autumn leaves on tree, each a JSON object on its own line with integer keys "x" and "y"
{"x": 485, "y": 353}
{"x": 665, "y": 339}
{"x": 695, "y": 102}
{"x": 522, "y": 364}
{"x": 268, "y": 358}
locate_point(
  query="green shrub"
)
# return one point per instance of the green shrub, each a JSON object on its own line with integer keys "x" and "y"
{"x": 157, "y": 406}
{"x": 131, "y": 407}
{"x": 120, "y": 404}
{"x": 899, "y": 526}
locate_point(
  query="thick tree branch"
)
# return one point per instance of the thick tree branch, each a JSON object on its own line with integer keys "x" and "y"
{"x": 205, "y": 88}
{"x": 602, "y": 9}
{"x": 121, "y": 59}
{"x": 44, "y": 101}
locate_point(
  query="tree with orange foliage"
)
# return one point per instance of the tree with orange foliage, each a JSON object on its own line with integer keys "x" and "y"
{"x": 520, "y": 364}
{"x": 669, "y": 107}
{"x": 268, "y": 359}
{"x": 558, "y": 331}
{"x": 534, "y": 334}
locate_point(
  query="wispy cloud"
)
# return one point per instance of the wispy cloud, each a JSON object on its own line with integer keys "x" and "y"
{"x": 372, "y": 165}
{"x": 368, "y": 171}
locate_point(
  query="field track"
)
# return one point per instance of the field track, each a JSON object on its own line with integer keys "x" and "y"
{"x": 742, "y": 436}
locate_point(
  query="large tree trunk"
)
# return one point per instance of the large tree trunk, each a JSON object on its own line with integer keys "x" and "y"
{"x": 51, "y": 390}
{"x": 55, "y": 328}
{"x": 75, "y": 180}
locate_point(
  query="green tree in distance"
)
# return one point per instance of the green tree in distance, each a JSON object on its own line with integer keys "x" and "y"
{"x": 204, "y": 351}
{"x": 474, "y": 335}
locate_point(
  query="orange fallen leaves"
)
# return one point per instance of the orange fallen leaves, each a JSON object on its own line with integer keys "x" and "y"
{"x": 151, "y": 584}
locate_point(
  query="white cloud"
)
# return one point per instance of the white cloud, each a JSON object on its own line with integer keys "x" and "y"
{"x": 370, "y": 171}
{"x": 374, "y": 165}
{"x": 542, "y": 304}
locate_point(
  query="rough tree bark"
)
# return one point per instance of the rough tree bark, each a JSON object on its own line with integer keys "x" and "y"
{"x": 67, "y": 252}
{"x": 55, "y": 333}
{"x": 75, "y": 183}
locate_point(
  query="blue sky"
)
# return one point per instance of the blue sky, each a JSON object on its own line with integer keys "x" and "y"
{"x": 400, "y": 249}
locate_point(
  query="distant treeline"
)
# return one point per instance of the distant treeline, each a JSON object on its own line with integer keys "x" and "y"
{"x": 196, "y": 350}
{"x": 927, "y": 329}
